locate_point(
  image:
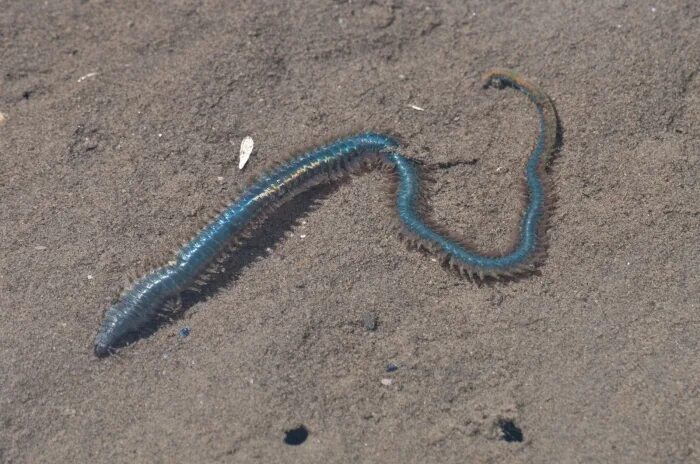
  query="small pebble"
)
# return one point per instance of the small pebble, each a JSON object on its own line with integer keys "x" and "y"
{"x": 369, "y": 320}
{"x": 3, "y": 119}
{"x": 387, "y": 382}
{"x": 185, "y": 331}
{"x": 392, "y": 367}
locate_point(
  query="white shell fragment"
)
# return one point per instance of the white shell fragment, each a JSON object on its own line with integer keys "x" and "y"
{"x": 88, "y": 75}
{"x": 246, "y": 149}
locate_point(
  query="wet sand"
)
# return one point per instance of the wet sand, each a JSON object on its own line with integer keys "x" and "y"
{"x": 121, "y": 134}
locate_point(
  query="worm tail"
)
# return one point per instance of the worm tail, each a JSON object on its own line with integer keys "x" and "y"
{"x": 528, "y": 246}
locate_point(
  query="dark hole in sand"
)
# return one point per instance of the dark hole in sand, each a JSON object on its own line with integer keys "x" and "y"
{"x": 511, "y": 432}
{"x": 296, "y": 436}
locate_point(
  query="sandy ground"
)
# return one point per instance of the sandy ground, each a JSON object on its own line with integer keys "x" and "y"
{"x": 121, "y": 133}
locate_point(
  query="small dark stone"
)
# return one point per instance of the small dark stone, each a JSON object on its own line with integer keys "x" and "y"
{"x": 184, "y": 332}
{"x": 296, "y": 436}
{"x": 391, "y": 367}
{"x": 510, "y": 431}
{"x": 369, "y": 320}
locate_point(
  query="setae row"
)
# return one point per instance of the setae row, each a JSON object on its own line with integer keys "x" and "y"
{"x": 146, "y": 301}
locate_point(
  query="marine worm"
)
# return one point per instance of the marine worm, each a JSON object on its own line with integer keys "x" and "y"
{"x": 144, "y": 302}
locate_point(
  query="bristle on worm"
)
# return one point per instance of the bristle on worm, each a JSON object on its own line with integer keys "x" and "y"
{"x": 145, "y": 301}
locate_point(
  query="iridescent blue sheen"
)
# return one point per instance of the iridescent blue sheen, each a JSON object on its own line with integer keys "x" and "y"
{"x": 409, "y": 192}
{"x": 141, "y": 305}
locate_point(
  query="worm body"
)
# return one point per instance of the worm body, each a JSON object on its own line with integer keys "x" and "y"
{"x": 142, "y": 304}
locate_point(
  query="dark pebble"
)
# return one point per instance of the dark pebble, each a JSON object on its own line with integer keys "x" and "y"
{"x": 296, "y": 436}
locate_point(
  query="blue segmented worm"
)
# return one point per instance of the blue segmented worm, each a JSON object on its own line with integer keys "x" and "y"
{"x": 143, "y": 303}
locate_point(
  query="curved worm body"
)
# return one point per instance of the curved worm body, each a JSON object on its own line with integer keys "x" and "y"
{"x": 142, "y": 304}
